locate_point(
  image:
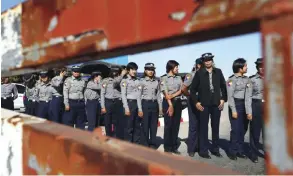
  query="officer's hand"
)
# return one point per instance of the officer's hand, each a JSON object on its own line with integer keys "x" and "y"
{"x": 168, "y": 97}
{"x": 127, "y": 113}
{"x": 170, "y": 111}
{"x": 67, "y": 108}
{"x": 140, "y": 114}
{"x": 123, "y": 72}
{"x": 103, "y": 110}
{"x": 221, "y": 106}
{"x": 234, "y": 115}
{"x": 249, "y": 116}
{"x": 198, "y": 106}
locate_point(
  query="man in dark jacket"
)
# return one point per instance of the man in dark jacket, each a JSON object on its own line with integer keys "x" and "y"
{"x": 209, "y": 93}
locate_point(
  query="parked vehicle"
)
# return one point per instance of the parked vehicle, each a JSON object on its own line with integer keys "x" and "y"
{"x": 18, "y": 103}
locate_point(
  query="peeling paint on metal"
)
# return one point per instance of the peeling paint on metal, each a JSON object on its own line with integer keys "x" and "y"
{"x": 53, "y": 23}
{"x": 178, "y": 16}
{"x": 276, "y": 123}
{"x": 103, "y": 44}
{"x": 11, "y": 47}
{"x": 38, "y": 167}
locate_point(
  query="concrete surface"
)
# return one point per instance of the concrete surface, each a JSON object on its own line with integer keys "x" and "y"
{"x": 245, "y": 166}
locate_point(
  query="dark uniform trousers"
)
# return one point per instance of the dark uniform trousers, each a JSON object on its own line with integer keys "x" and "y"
{"x": 7, "y": 103}
{"x": 149, "y": 124}
{"x": 114, "y": 118}
{"x": 133, "y": 123}
{"x": 31, "y": 107}
{"x": 76, "y": 114}
{"x": 172, "y": 124}
{"x": 44, "y": 109}
{"x": 213, "y": 112}
{"x": 193, "y": 131}
{"x": 93, "y": 111}
{"x": 238, "y": 127}
{"x": 25, "y": 103}
{"x": 256, "y": 125}
{"x": 56, "y": 108}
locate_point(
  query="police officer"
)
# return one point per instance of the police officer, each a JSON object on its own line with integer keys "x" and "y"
{"x": 111, "y": 103}
{"x": 31, "y": 94}
{"x": 149, "y": 105}
{"x": 8, "y": 94}
{"x": 73, "y": 92}
{"x": 92, "y": 95}
{"x": 171, "y": 87}
{"x": 129, "y": 92}
{"x": 236, "y": 86}
{"x": 57, "y": 105}
{"x": 254, "y": 107}
{"x": 193, "y": 114}
{"x": 44, "y": 93}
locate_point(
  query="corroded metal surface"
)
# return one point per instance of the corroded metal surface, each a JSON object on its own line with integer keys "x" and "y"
{"x": 278, "y": 48}
{"x": 49, "y": 148}
{"x": 55, "y": 30}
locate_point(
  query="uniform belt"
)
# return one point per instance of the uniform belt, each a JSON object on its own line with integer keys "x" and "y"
{"x": 6, "y": 98}
{"x": 257, "y": 100}
{"x": 113, "y": 99}
{"x": 130, "y": 100}
{"x": 32, "y": 100}
{"x": 76, "y": 100}
{"x": 238, "y": 99}
{"x": 57, "y": 96}
{"x": 47, "y": 101}
{"x": 149, "y": 100}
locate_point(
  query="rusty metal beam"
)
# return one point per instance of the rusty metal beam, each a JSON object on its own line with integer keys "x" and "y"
{"x": 57, "y": 31}
{"x": 50, "y": 148}
{"x": 277, "y": 37}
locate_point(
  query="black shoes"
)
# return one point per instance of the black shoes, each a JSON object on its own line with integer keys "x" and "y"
{"x": 254, "y": 159}
{"x": 241, "y": 155}
{"x": 217, "y": 154}
{"x": 206, "y": 156}
{"x": 232, "y": 157}
{"x": 176, "y": 152}
{"x": 191, "y": 154}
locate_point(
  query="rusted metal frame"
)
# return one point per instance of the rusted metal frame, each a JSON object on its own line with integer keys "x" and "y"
{"x": 277, "y": 38}
{"x": 50, "y": 148}
{"x": 176, "y": 18}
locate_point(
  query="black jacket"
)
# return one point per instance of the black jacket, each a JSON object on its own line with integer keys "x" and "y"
{"x": 200, "y": 87}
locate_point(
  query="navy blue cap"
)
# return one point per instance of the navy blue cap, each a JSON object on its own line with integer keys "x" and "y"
{"x": 149, "y": 66}
{"x": 115, "y": 68}
{"x": 76, "y": 68}
{"x": 258, "y": 61}
{"x": 44, "y": 73}
{"x": 198, "y": 61}
{"x": 96, "y": 73}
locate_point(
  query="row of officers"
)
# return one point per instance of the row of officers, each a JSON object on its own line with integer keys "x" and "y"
{"x": 131, "y": 106}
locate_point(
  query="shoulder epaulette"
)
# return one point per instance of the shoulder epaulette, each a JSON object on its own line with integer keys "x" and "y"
{"x": 252, "y": 76}
{"x": 163, "y": 75}
{"x": 231, "y": 76}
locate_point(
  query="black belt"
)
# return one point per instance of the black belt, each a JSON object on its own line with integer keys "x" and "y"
{"x": 77, "y": 100}
{"x": 149, "y": 100}
{"x": 113, "y": 99}
{"x": 45, "y": 101}
{"x": 32, "y": 100}
{"x": 238, "y": 99}
{"x": 6, "y": 98}
{"x": 131, "y": 100}
{"x": 258, "y": 100}
{"x": 57, "y": 96}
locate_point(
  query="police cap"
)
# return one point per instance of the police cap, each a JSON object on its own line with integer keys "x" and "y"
{"x": 207, "y": 57}
{"x": 149, "y": 66}
{"x": 96, "y": 73}
{"x": 198, "y": 61}
{"x": 115, "y": 69}
{"x": 44, "y": 73}
{"x": 258, "y": 61}
{"x": 76, "y": 68}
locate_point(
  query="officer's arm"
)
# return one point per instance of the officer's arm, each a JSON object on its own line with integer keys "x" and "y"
{"x": 140, "y": 88}
{"x": 179, "y": 92}
{"x": 230, "y": 91}
{"x": 92, "y": 85}
{"x": 248, "y": 97}
{"x": 66, "y": 88}
{"x": 15, "y": 92}
{"x": 103, "y": 91}
{"x": 118, "y": 80}
{"x": 164, "y": 89}
{"x": 223, "y": 87}
{"x": 194, "y": 87}
{"x": 123, "y": 86}
{"x": 57, "y": 81}
{"x": 186, "y": 84}
{"x": 159, "y": 98}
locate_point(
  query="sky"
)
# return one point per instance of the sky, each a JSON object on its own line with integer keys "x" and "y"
{"x": 225, "y": 50}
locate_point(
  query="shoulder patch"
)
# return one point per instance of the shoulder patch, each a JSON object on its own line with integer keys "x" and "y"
{"x": 123, "y": 83}
{"x": 231, "y": 76}
{"x": 139, "y": 87}
{"x": 229, "y": 83}
{"x": 187, "y": 77}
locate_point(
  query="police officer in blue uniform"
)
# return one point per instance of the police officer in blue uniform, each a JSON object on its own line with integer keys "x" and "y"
{"x": 255, "y": 102}
{"x": 44, "y": 93}
{"x": 56, "y": 104}
{"x": 149, "y": 105}
{"x": 92, "y": 96}
{"x": 31, "y": 94}
{"x": 236, "y": 86}
{"x": 73, "y": 92}
{"x": 8, "y": 94}
{"x": 111, "y": 103}
{"x": 193, "y": 114}
{"x": 129, "y": 92}
{"x": 171, "y": 87}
